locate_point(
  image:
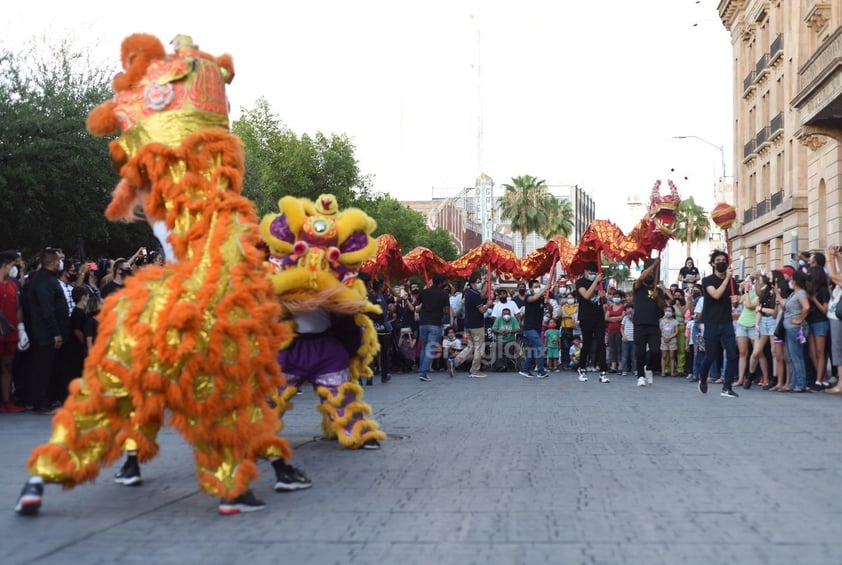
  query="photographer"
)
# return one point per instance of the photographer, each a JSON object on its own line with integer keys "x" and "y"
{"x": 120, "y": 271}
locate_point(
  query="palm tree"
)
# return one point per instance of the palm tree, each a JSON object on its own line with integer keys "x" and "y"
{"x": 692, "y": 223}
{"x": 559, "y": 218}
{"x": 526, "y": 204}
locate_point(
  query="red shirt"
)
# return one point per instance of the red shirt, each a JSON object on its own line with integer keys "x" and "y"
{"x": 9, "y": 307}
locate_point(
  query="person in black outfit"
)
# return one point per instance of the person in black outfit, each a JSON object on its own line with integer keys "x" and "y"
{"x": 719, "y": 332}
{"x": 50, "y": 327}
{"x": 383, "y": 327}
{"x": 76, "y": 348}
{"x": 688, "y": 274}
{"x": 434, "y": 303}
{"x": 649, "y": 305}
{"x": 589, "y": 292}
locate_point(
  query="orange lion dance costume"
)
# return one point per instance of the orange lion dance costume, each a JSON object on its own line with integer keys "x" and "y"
{"x": 316, "y": 251}
{"x": 197, "y": 336}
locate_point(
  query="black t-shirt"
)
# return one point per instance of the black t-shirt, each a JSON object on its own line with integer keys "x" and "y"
{"x": 533, "y": 313}
{"x": 589, "y": 309}
{"x": 519, "y": 301}
{"x": 111, "y": 287}
{"x": 434, "y": 304}
{"x": 715, "y": 311}
{"x": 473, "y": 317}
{"x": 646, "y": 310}
{"x": 816, "y": 315}
{"x": 689, "y": 271}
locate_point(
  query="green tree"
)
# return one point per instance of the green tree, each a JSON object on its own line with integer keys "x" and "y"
{"x": 559, "y": 218}
{"x": 280, "y": 163}
{"x": 526, "y": 204}
{"x": 407, "y": 226}
{"x": 56, "y": 178}
{"x": 692, "y": 223}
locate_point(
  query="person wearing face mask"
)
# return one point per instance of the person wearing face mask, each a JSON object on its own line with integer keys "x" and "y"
{"x": 592, "y": 321}
{"x": 11, "y": 310}
{"x": 519, "y": 298}
{"x": 502, "y": 302}
{"x": 719, "y": 335}
{"x": 649, "y": 305}
{"x": 505, "y": 330}
{"x": 50, "y": 329}
{"x": 614, "y": 312}
{"x": 75, "y": 350}
{"x": 121, "y": 271}
{"x": 669, "y": 341}
{"x": 533, "y": 317}
{"x": 568, "y": 313}
{"x": 475, "y": 308}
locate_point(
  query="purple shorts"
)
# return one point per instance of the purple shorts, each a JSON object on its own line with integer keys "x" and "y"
{"x": 320, "y": 360}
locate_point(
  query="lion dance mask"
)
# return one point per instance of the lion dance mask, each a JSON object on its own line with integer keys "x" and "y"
{"x": 316, "y": 250}
{"x": 199, "y": 335}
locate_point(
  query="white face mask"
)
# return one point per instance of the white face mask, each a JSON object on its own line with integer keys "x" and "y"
{"x": 571, "y": 300}
{"x": 791, "y": 286}
{"x": 14, "y": 272}
{"x": 61, "y": 265}
{"x": 667, "y": 314}
{"x": 507, "y": 317}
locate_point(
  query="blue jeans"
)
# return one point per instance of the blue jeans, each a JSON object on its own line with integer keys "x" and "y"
{"x": 720, "y": 338}
{"x": 534, "y": 350}
{"x": 430, "y": 338}
{"x": 627, "y": 361}
{"x": 795, "y": 353}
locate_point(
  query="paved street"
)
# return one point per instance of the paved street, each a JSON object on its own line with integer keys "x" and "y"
{"x": 503, "y": 470}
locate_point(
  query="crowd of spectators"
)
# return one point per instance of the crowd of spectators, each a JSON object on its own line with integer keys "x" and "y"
{"x": 50, "y": 304}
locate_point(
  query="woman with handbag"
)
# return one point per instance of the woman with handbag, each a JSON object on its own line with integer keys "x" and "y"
{"x": 796, "y": 307}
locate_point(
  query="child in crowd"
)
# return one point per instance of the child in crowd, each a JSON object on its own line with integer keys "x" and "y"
{"x": 575, "y": 352}
{"x": 552, "y": 339}
{"x": 451, "y": 346}
{"x": 628, "y": 363}
{"x": 669, "y": 342}
{"x": 406, "y": 347}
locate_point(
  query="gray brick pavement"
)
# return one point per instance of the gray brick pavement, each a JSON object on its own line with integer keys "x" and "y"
{"x": 501, "y": 470}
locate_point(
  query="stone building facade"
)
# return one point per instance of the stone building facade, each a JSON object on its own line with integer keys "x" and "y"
{"x": 787, "y": 126}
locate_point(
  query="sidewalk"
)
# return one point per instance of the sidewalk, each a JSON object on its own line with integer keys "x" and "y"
{"x": 503, "y": 470}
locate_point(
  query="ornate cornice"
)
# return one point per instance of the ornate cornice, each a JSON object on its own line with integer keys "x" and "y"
{"x": 817, "y": 16}
{"x": 728, "y": 11}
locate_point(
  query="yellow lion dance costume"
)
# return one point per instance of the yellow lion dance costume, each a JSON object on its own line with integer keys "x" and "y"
{"x": 199, "y": 335}
{"x": 315, "y": 250}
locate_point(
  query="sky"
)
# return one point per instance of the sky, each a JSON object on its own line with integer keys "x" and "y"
{"x": 587, "y": 93}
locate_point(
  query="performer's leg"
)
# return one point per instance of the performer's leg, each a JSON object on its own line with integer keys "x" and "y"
{"x": 345, "y": 415}
{"x": 84, "y": 436}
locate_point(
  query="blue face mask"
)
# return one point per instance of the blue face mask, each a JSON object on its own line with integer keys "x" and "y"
{"x": 591, "y": 277}
{"x": 801, "y": 263}
{"x": 616, "y": 300}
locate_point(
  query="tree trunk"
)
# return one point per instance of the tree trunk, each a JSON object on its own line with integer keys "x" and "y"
{"x": 689, "y": 235}
{"x": 523, "y": 244}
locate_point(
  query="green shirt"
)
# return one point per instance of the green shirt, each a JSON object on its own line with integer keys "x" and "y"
{"x": 502, "y": 325}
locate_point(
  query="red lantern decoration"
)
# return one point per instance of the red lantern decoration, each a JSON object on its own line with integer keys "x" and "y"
{"x": 724, "y": 215}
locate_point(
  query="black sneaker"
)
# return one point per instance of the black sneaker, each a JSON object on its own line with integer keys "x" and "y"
{"x": 703, "y": 385}
{"x": 29, "y": 501}
{"x": 371, "y": 444}
{"x": 246, "y": 502}
{"x": 288, "y": 478}
{"x": 542, "y": 375}
{"x": 424, "y": 378}
{"x": 728, "y": 393}
{"x": 129, "y": 473}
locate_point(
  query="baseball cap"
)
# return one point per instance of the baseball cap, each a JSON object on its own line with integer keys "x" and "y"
{"x": 788, "y": 270}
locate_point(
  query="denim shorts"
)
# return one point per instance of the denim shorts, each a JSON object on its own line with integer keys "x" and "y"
{"x": 820, "y": 328}
{"x": 767, "y": 325}
{"x": 750, "y": 332}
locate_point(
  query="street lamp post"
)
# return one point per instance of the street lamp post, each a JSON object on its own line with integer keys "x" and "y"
{"x": 721, "y": 148}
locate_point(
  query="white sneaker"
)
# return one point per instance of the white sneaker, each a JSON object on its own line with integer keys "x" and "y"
{"x": 641, "y": 381}
{"x": 648, "y": 374}
{"x": 582, "y": 377}
{"x": 603, "y": 378}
